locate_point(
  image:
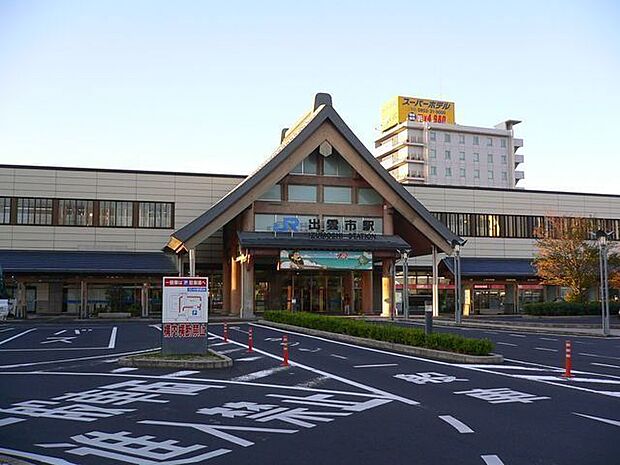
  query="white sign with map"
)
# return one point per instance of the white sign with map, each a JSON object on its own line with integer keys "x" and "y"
{"x": 185, "y": 300}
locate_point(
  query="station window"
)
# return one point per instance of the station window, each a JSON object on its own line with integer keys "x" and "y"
{"x": 333, "y": 194}
{"x": 72, "y": 212}
{"x": 368, "y": 196}
{"x": 5, "y": 210}
{"x": 335, "y": 165}
{"x": 34, "y": 211}
{"x": 155, "y": 215}
{"x": 299, "y": 193}
{"x": 273, "y": 194}
{"x": 308, "y": 166}
{"x": 115, "y": 214}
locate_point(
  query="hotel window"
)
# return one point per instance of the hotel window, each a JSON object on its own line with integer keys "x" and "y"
{"x": 476, "y": 174}
{"x": 298, "y": 193}
{"x": 155, "y": 215}
{"x": 504, "y": 176}
{"x": 368, "y": 196}
{"x": 115, "y": 214}
{"x": 73, "y": 212}
{"x": 503, "y": 143}
{"x": 446, "y": 137}
{"x": 448, "y": 155}
{"x": 308, "y": 166}
{"x": 332, "y": 194}
{"x": 34, "y": 211}
{"x": 490, "y": 158}
{"x": 273, "y": 194}
{"x": 489, "y": 142}
{"x": 490, "y": 174}
{"x": 335, "y": 165}
{"x": 461, "y": 138}
{"x": 463, "y": 172}
{"x": 433, "y": 136}
{"x": 476, "y": 140}
{"x": 476, "y": 156}
{"x": 432, "y": 153}
{"x": 448, "y": 172}
{"x": 433, "y": 171}
{"x": 462, "y": 156}
{"x": 504, "y": 159}
{"x": 5, "y": 210}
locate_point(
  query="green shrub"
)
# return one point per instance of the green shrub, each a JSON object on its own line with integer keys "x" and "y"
{"x": 382, "y": 332}
{"x": 567, "y": 308}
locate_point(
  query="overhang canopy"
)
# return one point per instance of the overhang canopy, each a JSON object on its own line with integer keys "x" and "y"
{"x": 54, "y": 261}
{"x": 493, "y": 267}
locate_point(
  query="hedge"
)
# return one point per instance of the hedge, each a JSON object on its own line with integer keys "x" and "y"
{"x": 382, "y": 332}
{"x": 568, "y": 308}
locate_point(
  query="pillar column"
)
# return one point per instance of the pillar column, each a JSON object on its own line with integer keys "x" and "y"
{"x": 192, "y": 262}
{"x": 226, "y": 280}
{"x": 247, "y": 270}
{"x": 20, "y": 301}
{"x": 367, "y": 292}
{"x": 83, "y": 299}
{"x": 387, "y": 288}
{"x": 435, "y": 284}
{"x": 235, "y": 286}
{"x": 349, "y": 295}
{"x": 145, "y": 301}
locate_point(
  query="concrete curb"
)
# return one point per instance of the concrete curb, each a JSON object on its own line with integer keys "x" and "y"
{"x": 8, "y": 460}
{"x": 139, "y": 361}
{"x": 401, "y": 348}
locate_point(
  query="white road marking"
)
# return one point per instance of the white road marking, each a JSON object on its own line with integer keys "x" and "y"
{"x": 123, "y": 370}
{"x": 77, "y": 332}
{"x": 112, "y": 342}
{"x": 604, "y": 420}
{"x": 548, "y": 339}
{"x": 604, "y": 365}
{"x": 589, "y": 355}
{"x": 502, "y": 367}
{"x": 60, "y": 332}
{"x": 376, "y": 365}
{"x": 339, "y": 356}
{"x": 6, "y": 329}
{"x": 157, "y": 327}
{"x": 220, "y": 344}
{"x": 490, "y": 332}
{"x": 546, "y": 349}
{"x": 63, "y": 339}
{"x": 230, "y": 351}
{"x": 10, "y": 421}
{"x": 506, "y": 344}
{"x": 573, "y": 379}
{"x": 181, "y": 373}
{"x": 456, "y": 424}
{"x": 301, "y": 349}
{"x": 517, "y": 335}
{"x": 491, "y": 460}
{"x": 247, "y": 359}
{"x": 38, "y": 457}
{"x": 17, "y": 335}
{"x": 260, "y": 374}
{"x": 236, "y": 328}
{"x": 112, "y": 360}
{"x": 19, "y": 365}
{"x": 314, "y": 382}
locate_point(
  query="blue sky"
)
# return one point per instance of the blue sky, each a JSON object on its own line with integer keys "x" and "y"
{"x": 207, "y": 86}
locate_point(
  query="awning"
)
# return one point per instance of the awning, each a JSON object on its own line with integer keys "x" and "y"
{"x": 55, "y": 261}
{"x": 269, "y": 240}
{"x": 493, "y": 267}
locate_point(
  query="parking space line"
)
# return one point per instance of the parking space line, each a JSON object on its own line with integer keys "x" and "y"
{"x": 6, "y": 329}
{"x": 546, "y": 349}
{"x": 181, "y": 373}
{"x": 339, "y": 356}
{"x": 123, "y": 370}
{"x": 604, "y": 365}
{"x": 603, "y": 420}
{"x": 10, "y": 421}
{"x": 19, "y": 365}
{"x": 594, "y": 355}
{"x": 17, "y": 335}
{"x": 456, "y": 424}
{"x": 112, "y": 342}
{"x": 60, "y": 332}
{"x": 260, "y": 374}
{"x": 491, "y": 460}
{"x": 548, "y": 339}
{"x": 506, "y": 344}
{"x": 377, "y": 365}
{"x": 517, "y": 335}
{"x": 157, "y": 327}
{"x": 37, "y": 457}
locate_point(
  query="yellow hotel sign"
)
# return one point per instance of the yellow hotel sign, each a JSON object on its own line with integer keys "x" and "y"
{"x": 399, "y": 109}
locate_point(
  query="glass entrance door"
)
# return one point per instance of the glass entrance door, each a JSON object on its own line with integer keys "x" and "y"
{"x": 317, "y": 292}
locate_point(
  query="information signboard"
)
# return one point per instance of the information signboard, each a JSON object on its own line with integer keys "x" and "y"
{"x": 185, "y": 312}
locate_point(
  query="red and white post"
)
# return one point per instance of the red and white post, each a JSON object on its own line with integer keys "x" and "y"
{"x": 568, "y": 366}
{"x": 225, "y": 332}
{"x": 250, "y": 340}
{"x": 285, "y": 350}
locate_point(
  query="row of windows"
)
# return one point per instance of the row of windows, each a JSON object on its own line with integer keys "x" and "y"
{"x": 432, "y": 154}
{"x": 512, "y": 226}
{"x": 463, "y": 173}
{"x": 490, "y": 141}
{"x": 80, "y": 212}
{"x": 331, "y": 194}
{"x": 333, "y": 165}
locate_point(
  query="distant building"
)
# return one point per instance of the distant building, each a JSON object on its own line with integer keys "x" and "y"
{"x": 421, "y": 143}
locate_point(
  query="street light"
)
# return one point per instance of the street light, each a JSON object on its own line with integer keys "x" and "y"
{"x": 456, "y": 246}
{"x": 601, "y": 238}
{"x": 404, "y": 255}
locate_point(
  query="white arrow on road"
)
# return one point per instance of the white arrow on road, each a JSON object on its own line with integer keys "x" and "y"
{"x": 604, "y": 420}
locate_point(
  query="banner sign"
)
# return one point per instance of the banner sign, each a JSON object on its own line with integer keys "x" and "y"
{"x": 324, "y": 260}
{"x": 400, "y": 109}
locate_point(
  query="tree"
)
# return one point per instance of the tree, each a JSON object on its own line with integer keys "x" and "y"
{"x": 567, "y": 256}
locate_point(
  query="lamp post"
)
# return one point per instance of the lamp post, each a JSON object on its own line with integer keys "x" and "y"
{"x": 405, "y": 290}
{"x": 601, "y": 238}
{"x": 456, "y": 245}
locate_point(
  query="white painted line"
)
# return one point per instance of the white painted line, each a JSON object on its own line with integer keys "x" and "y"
{"x": 548, "y": 339}
{"x": 491, "y": 460}
{"x": 376, "y": 365}
{"x": 235, "y": 328}
{"x": 546, "y": 349}
{"x": 112, "y": 360}
{"x": 10, "y": 421}
{"x": 456, "y": 424}
{"x": 6, "y": 329}
{"x": 260, "y": 374}
{"x": 157, "y": 327}
{"x": 339, "y": 356}
{"x": 573, "y": 380}
{"x": 38, "y": 457}
{"x": 123, "y": 370}
{"x": 112, "y": 342}
{"x": 220, "y": 344}
{"x": 517, "y": 335}
{"x": 181, "y": 374}
{"x": 604, "y": 420}
{"x": 506, "y": 344}
{"x": 19, "y": 365}
{"x": 230, "y": 351}
{"x": 490, "y": 332}
{"x": 248, "y": 359}
{"x": 18, "y": 335}
{"x": 604, "y": 365}
{"x": 60, "y": 332}
{"x": 502, "y": 367}
{"x": 77, "y": 332}
{"x": 585, "y": 355}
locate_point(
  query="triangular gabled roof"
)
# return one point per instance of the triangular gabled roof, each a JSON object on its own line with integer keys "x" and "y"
{"x": 270, "y": 172}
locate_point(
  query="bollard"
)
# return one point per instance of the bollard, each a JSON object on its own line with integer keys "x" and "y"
{"x": 568, "y": 366}
{"x": 428, "y": 321}
{"x": 225, "y": 332}
{"x": 250, "y": 340}
{"x": 285, "y": 350}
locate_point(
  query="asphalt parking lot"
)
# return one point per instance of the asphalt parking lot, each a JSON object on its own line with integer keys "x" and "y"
{"x": 65, "y": 400}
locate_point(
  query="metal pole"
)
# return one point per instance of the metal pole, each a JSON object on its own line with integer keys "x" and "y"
{"x": 406, "y": 284}
{"x": 435, "y": 284}
{"x": 457, "y": 284}
{"x": 606, "y": 330}
{"x": 192, "y": 262}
